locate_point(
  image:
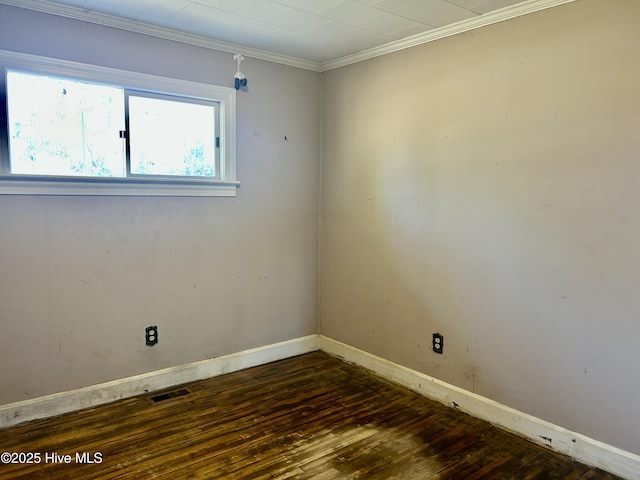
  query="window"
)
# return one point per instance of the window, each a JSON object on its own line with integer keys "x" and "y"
{"x": 162, "y": 143}
{"x": 63, "y": 127}
{"x": 68, "y": 128}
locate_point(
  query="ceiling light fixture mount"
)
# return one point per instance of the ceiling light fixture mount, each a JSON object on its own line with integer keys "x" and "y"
{"x": 239, "y": 78}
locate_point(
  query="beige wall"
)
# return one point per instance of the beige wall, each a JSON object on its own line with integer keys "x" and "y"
{"x": 81, "y": 278}
{"x": 483, "y": 186}
{"x": 486, "y": 186}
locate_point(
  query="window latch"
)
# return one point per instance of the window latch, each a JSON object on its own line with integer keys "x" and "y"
{"x": 123, "y": 133}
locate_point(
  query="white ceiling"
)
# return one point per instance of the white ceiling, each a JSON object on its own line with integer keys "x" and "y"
{"x": 317, "y": 32}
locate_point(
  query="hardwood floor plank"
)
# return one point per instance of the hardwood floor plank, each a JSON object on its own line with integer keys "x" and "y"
{"x": 309, "y": 417}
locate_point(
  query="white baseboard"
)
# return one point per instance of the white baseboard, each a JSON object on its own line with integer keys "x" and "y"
{"x": 582, "y": 448}
{"x": 64, "y": 402}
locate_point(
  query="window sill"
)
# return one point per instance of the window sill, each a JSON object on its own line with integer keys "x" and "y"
{"x": 81, "y": 186}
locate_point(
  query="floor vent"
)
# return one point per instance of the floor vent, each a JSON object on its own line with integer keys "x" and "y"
{"x": 161, "y": 397}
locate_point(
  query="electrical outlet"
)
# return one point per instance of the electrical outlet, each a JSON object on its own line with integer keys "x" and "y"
{"x": 438, "y": 343}
{"x": 151, "y": 335}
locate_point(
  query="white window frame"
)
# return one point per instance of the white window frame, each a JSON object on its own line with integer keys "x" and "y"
{"x": 226, "y": 185}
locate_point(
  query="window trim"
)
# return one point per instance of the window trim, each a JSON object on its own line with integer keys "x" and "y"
{"x": 225, "y": 185}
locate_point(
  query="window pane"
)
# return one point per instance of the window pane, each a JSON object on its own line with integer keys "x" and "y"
{"x": 59, "y": 126}
{"x": 170, "y": 137}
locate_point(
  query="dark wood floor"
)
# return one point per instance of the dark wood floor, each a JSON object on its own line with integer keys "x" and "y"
{"x": 311, "y": 416}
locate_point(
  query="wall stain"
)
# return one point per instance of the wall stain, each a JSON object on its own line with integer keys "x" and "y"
{"x": 471, "y": 374}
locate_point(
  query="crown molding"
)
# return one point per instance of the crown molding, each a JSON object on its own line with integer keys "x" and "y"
{"x": 77, "y": 13}
{"x": 500, "y": 15}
